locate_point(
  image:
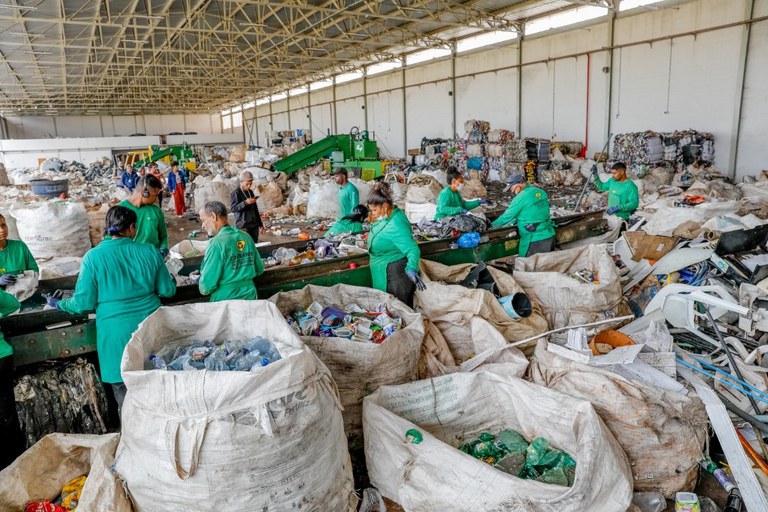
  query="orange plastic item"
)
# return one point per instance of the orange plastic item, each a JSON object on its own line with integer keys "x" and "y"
{"x": 610, "y": 337}
{"x": 303, "y": 236}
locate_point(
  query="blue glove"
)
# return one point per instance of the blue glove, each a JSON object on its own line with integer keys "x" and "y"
{"x": 416, "y": 279}
{"x": 7, "y": 279}
{"x": 612, "y": 210}
{"x": 164, "y": 252}
{"x": 483, "y": 201}
{"x": 464, "y": 210}
{"x": 54, "y": 298}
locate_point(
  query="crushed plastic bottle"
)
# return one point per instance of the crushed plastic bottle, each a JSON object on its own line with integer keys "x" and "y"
{"x": 649, "y": 501}
{"x": 242, "y": 355}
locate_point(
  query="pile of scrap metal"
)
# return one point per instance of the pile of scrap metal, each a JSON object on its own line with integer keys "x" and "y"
{"x": 713, "y": 295}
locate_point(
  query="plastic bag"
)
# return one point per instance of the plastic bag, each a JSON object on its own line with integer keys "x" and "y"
{"x": 469, "y": 240}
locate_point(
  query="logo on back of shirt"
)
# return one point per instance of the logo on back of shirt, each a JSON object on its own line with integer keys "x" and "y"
{"x": 240, "y": 245}
{"x": 538, "y": 195}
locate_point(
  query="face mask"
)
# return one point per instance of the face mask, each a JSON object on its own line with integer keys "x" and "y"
{"x": 461, "y": 186}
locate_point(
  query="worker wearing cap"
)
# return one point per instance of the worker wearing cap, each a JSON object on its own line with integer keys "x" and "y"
{"x": 349, "y": 197}
{"x": 13, "y": 439}
{"x": 15, "y": 257}
{"x": 622, "y": 193}
{"x": 530, "y": 210}
{"x": 231, "y": 260}
{"x": 449, "y": 201}
{"x": 242, "y": 201}
{"x": 150, "y": 226}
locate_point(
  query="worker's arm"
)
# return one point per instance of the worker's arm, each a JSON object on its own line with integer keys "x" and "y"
{"x": 8, "y": 303}
{"x": 165, "y": 285}
{"x": 469, "y": 205}
{"x": 234, "y": 204}
{"x": 443, "y": 208}
{"x": 258, "y": 263}
{"x": 350, "y": 199}
{"x": 630, "y": 201}
{"x": 86, "y": 291}
{"x": 600, "y": 186}
{"x": 402, "y": 237}
{"x": 512, "y": 212}
{"x": 29, "y": 260}
{"x": 210, "y": 270}
{"x": 162, "y": 232}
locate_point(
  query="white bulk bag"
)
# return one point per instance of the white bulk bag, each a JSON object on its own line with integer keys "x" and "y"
{"x": 203, "y": 440}
{"x": 435, "y": 476}
{"x": 53, "y": 229}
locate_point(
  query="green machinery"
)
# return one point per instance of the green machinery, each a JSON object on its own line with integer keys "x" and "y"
{"x": 183, "y": 154}
{"x": 355, "y": 151}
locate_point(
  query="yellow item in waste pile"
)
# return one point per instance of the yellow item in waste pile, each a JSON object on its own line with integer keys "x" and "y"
{"x": 70, "y": 493}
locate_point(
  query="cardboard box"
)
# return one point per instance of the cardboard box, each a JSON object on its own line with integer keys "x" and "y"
{"x": 414, "y": 152}
{"x": 649, "y": 247}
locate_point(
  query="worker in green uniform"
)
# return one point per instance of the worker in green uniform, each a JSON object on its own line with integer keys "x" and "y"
{"x": 349, "y": 197}
{"x": 394, "y": 254}
{"x": 231, "y": 260}
{"x": 13, "y": 439}
{"x": 15, "y": 257}
{"x": 150, "y": 226}
{"x": 122, "y": 280}
{"x": 449, "y": 201}
{"x": 530, "y": 210}
{"x": 622, "y": 193}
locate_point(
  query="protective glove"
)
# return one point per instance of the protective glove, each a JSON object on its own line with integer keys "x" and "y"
{"x": 416, "y": 279}
{"x": 594, "y": 171}
{"x": 54, "y": 298}
{"x": 483, "y": 201}
{"x": 612, "y": 210}
{"x": 164, "y": 252}
{"x": 464, "y": 210}
{"x": 7, "y": 279}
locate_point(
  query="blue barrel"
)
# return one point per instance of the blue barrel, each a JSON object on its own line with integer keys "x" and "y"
{"x": 49, "y": 188}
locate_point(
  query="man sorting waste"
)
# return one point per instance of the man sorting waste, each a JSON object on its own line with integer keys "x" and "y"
{"x": 349, "y": 197}
{"x": 529, "y": 209}
{"x": 242, "y": 200}
{"x": 231, "y": 260}
{"x": 622, "y": 192}
{"x": 150, "y": 226}
{"x": 449, "y": 201}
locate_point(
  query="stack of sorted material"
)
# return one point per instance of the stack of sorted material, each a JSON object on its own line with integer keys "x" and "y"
{"x": 638, "y": 148}
{"x": 679, "y": 148}
{"x": 350, "y": 322}
{"x": 234, "y": 355}
{"x": 66, "y": 397}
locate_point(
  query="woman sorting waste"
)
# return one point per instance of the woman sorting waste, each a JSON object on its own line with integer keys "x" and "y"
{"x": 15, "y": 257}
{"x": 13, "y": 439}
{"x": 122, "y": 280}
{"x": 177, "y": 184}
{"x": 394, "y": 254}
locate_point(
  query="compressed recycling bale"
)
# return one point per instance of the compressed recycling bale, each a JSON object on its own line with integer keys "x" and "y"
{"x": 360, "y": 368}
{"x": 271, "y": 439}
{"x": 663, "y": 432}
{"x": 434, "y": 476}
{"x": 40, "y": 472}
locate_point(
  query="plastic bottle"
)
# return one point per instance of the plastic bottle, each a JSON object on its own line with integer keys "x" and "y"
{"x": 649, "y": 501}
{"x": 158, "y": 362}
{"x": 180, "y": 363}
{"x": 215, "y": 361}
{"x": 734, "y": 502}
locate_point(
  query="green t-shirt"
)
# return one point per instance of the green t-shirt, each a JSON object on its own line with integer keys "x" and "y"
{"x": 150, "y": 225}
{"x": 16, "y": 258}
{"x": 231, "y": 262}
{"x": 451, "y": 203}
{"x": 622, "y": 194}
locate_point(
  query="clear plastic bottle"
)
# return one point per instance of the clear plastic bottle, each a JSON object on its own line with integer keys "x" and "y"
{"x": 649, "y": 501}
{"x": 158, "y": 362}
{"x": 216, "y": 361}
{"x": 180, "y": 363}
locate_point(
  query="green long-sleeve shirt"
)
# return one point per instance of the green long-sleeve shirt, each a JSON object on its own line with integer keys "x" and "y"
{"x": 150, "y": 225}
{"x": 231, "y": 262}
{"x": 8, "y": 304}
{"x": 391, "y": 239}
{"x": 530, "y": 206}
{"x": 622, "y": 194}
{"x": 451, "y": 203}
{"x": 349, "y": 197}
{"x": 122, "y": 280}
{"x": 16, "y": 258}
